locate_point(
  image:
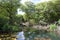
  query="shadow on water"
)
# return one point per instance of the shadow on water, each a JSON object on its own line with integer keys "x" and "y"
{"x": 36, "y": 36}
{"x": 42, "y": 35}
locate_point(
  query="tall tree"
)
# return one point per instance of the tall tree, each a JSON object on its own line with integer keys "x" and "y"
{"x": 8, "y": 11}
{"x": 10, "y": 6}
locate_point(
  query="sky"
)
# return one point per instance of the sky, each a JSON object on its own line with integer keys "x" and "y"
{"x": 20, "y": 12}
{"x": 34, "y": 1}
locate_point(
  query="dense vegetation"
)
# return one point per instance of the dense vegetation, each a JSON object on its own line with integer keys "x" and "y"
{"x": 47, "y": 12}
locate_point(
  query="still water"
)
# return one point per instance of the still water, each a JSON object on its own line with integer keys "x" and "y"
{"x": 37, "y": 36}
{"x": 49, "y": 35}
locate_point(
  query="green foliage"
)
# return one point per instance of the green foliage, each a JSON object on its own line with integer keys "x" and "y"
{"x": 10, "y": 28}
{"x": 48, "y": 12}
{"x": 8, "y": 11}
{"x": 53, "y": 27}
{"x": 45, "y": 11}
{"x": 6, "y": 28}
{"x": 15, "y": 28}
{"x": 59, "y": 21}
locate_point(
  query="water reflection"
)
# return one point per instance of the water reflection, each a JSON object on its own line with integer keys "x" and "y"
{"x": 47, "y": 36}
{"x": 37, "y": 36}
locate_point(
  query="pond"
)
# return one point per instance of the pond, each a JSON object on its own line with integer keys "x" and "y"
{"x": 49, "y": 35}
{"x": 37, "y": 36}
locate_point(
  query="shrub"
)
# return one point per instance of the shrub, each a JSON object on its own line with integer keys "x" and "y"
{"x": 10, "y": 28}
{"x": 59, "y": 21}
{"x": 15, "y": 28}
{"x": 53, "y": 27}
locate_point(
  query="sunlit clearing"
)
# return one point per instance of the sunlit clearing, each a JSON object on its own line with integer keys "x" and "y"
{"x": 20, "y": 12}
